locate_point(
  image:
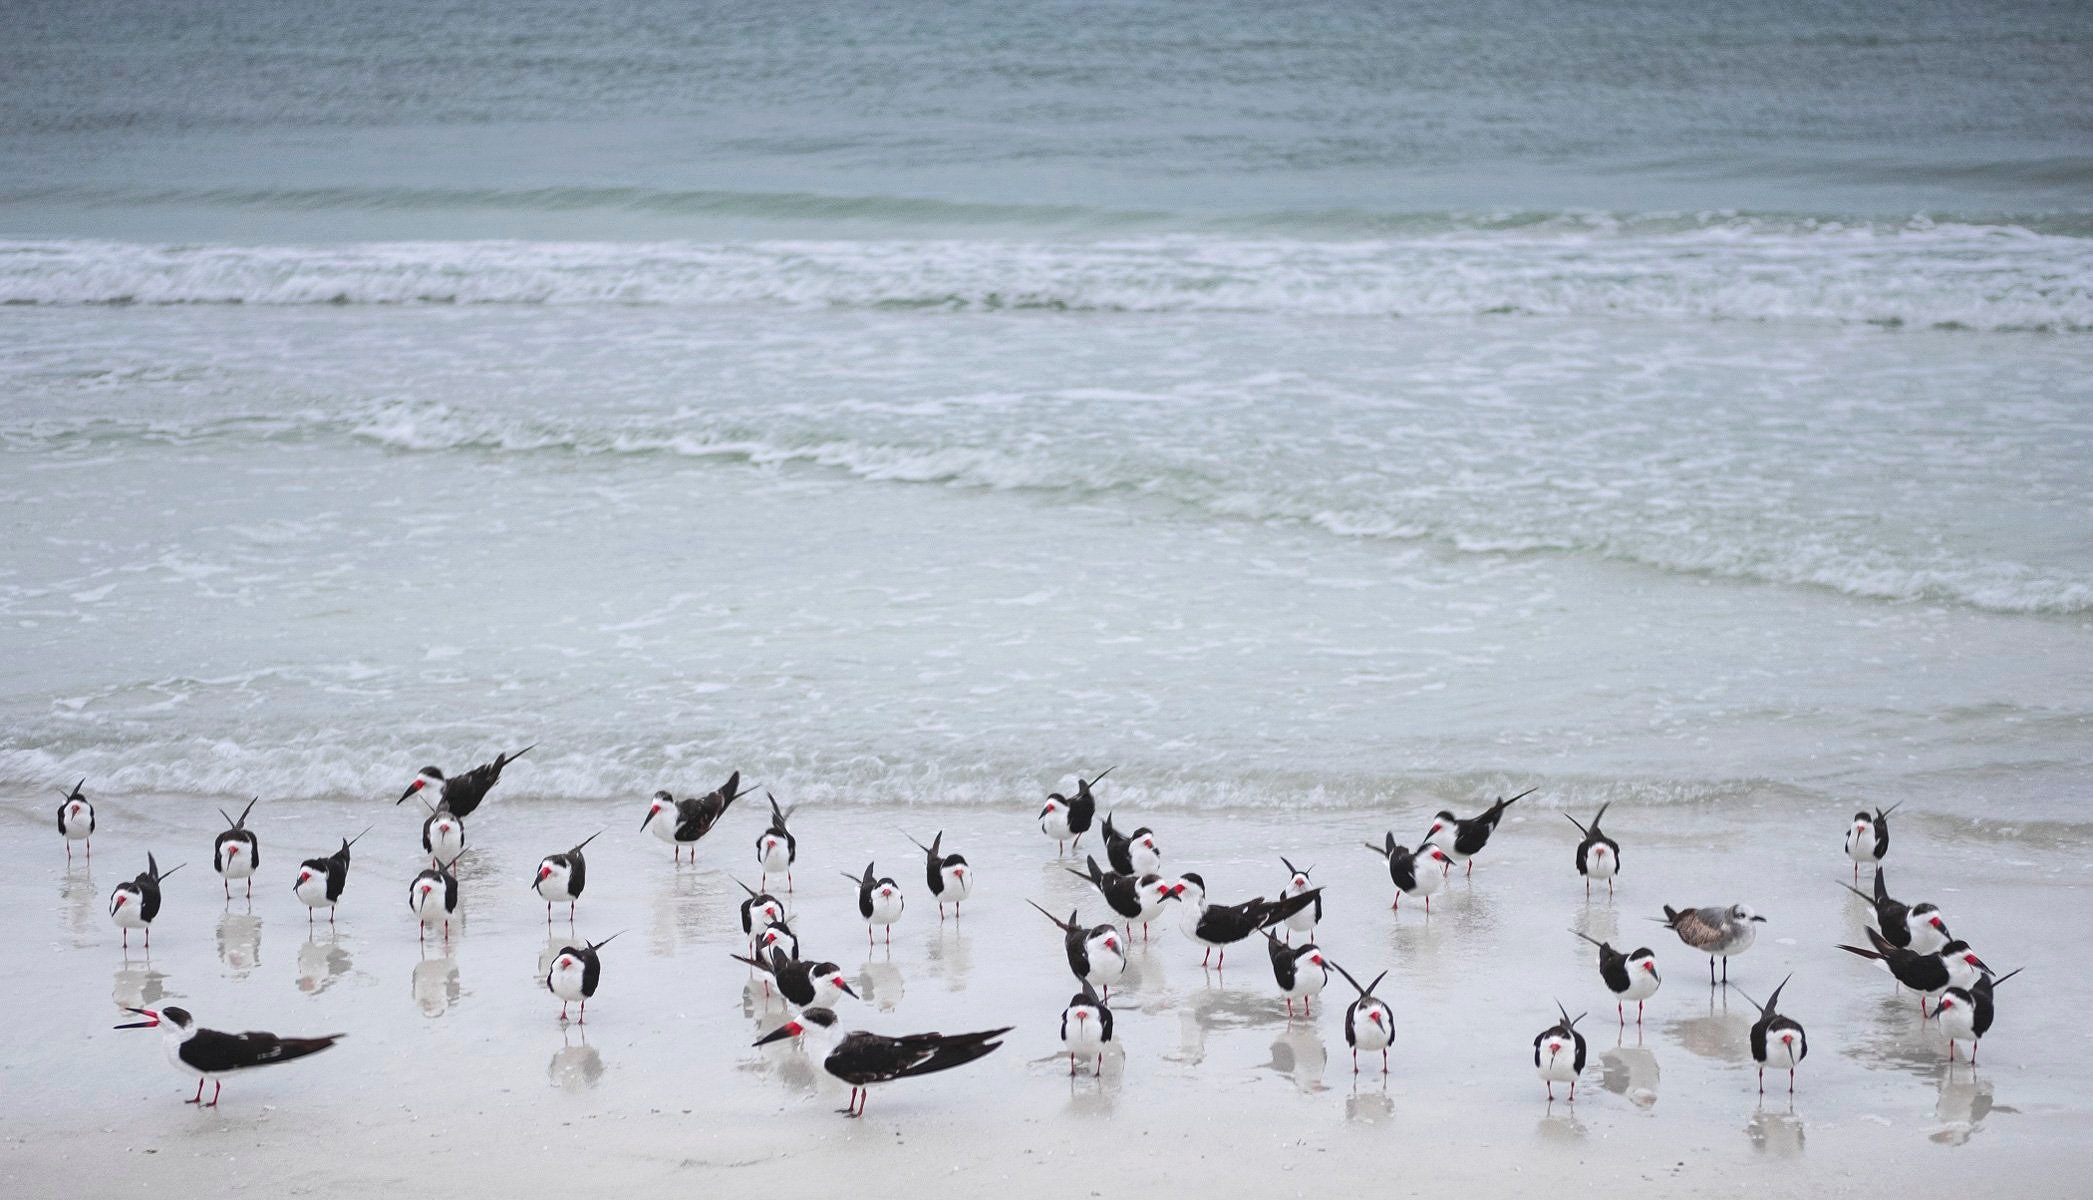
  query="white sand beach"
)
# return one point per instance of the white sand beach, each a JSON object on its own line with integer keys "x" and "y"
{"x": 457, "y": 1075}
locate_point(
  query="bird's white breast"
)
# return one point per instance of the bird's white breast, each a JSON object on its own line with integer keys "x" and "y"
{"x": 565, "y": 978}
{"x": 1368, "y": 1034}
{"x": 313, "y": 890}
{"x": 554, "y": 886}
{"x": 1599, "y": 862}
{"x": 1085, "y": 1033}
{"x": 886, "y": 906}
{"x": 1558, "y": 1060}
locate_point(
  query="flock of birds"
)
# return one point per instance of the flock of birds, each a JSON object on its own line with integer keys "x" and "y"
{"x": 1955, "y": 986}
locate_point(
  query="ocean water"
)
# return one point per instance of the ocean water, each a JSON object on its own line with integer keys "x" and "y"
{"x": 1359, "y": 406}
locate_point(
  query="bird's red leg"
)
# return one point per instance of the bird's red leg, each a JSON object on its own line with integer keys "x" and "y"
{"x": 199, "y": 1092}
{"x": 216, "y": 1088}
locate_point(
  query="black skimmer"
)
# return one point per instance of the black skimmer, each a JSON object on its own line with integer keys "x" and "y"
{"x": 1404, "y": 872}
{"x": 433, "y": 897}
{"x": 210, "y": 1055}
{"x": 1917, "y": 927}
{"x": 1598, "y": 856}
{"x": 862, "y": 1059}
{"x": 1462, "y": 839}
{"x": 779, "y": 934}
{"x": 443, "y": 834}
{"x": 1305, "y": 921}
{"x": 321, "y": 880}
{"x": 1628, "y": 976}
{"x": 879, "y": 901}
{"x": 236, "y": 852}
{"x": 1219, "y": 926}
{"x": 1086, "y": 1028}
{"x": 463, "y": 793}
{"x": 1558, "y": 1053}
{"x": 1965, "y": 1013}
{"x": 691, "y": 819}
{"x": 574, "y": 974}
{"x": 76, "y": 819}
{"x": 776, "y": 848}
{"x": 1094, "y": 953}
{"x": 951, "y": 880}
{"x": 133, "y": 905}
{"x": 1953, "y": 965}
{"x": 1715, "y": 931}
{"x": 1066, "y": 819}
{"x": 804, "y": 984}
{"x": 1369, "y": 1024}
{"x": 1300, "y": 971}
{"x": 759, "y": 911}
{"x": 1776, "y": 1041}
{"x": 1131, "y": 853}
{"x": 1868, "y": 838}
{"x": 561, "y": 877}
{"x": 1132, "y": 899}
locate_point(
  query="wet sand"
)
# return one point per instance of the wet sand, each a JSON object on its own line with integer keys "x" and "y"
{"x": 456, "y": 1072}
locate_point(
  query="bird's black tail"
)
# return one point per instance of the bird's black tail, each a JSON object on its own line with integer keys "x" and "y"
{"x": 1882, "y": 887}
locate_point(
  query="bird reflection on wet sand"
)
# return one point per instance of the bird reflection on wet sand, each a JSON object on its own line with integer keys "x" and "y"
{"x": 1778, "y": 1132}
{"x": 320, "y": 963}
{"x": 239, "y": 942}
{"x": 1965, "y": 1102}
{"x": 1630, "y": 1071}
{"x": 576, "y": 1065}
{"x": 138, "y": 985}
{"x": 436, "y": 984}
{"x": 1301, "y": 1055}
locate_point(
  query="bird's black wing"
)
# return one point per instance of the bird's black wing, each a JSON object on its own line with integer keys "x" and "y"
{"x": 214, "y": 1052}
